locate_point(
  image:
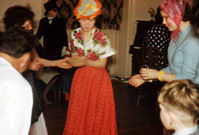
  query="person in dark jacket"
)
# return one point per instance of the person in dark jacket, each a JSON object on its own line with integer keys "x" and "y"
{"x": 53, "y": 30}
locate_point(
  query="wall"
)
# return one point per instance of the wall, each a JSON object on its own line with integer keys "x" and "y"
{"x": 142, "y": 7}
{"x": 133, "y": 10}
{"x": 35, "y": 5}
{"x": 119, "y": 64}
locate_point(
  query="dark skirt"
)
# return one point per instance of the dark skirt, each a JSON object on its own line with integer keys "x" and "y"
{"x": 37, "y": 103}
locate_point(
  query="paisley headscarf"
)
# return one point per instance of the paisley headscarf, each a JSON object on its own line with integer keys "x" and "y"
{"x": 175, "y": 10}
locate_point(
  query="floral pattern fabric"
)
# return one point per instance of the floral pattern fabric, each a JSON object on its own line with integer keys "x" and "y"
{"x": 97, "y": 47}
{"x": 91, "y": 108}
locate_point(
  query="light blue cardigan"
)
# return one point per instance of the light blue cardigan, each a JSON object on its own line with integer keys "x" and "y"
{"x": 183, "y": 56}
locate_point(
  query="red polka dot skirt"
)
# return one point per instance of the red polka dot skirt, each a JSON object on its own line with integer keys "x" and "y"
{"x": 91, "y": 106}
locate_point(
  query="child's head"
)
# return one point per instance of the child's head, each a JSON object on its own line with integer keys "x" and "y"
{"x": 51, "y": 8}
{"x": 179, "y": 104}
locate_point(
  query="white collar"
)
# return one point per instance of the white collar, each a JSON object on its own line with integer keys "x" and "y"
{"x": 5, "y": 61}
{"x": 50, "y": 18}
{"x": 186, "y": 131}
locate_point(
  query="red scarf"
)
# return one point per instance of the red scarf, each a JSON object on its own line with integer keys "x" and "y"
{"x": 175, "y": 10}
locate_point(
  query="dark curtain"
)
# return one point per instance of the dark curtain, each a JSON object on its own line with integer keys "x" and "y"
{"x": 111, "y": 14}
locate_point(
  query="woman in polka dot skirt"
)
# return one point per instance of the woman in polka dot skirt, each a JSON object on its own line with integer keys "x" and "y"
{"x": 91, "y": 106}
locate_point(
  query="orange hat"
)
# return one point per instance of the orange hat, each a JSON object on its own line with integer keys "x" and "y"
{"x": 87, "y": 9}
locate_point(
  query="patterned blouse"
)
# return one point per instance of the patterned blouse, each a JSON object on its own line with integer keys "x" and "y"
{"x": 98, "y": 46}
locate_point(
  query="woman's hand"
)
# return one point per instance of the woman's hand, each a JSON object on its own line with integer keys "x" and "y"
{"x": 35, "y": 65}
{"x": 136, "y": 80}
{"x": 77, "y": 61}
{"x": 63, "y": 63}
{"x": 149, "y": 74}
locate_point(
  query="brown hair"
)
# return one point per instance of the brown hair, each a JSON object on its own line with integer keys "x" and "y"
{"x": 182, "y": 96}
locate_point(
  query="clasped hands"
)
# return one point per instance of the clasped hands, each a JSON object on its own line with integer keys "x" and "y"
{"x": 69, "y": 62}
{"x": 144, "y": 75}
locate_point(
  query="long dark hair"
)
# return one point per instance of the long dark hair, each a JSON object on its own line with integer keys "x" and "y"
{"x": 187, "y": 13}
{"x": 195, "y": 13}
{"x": 17, "y": 16}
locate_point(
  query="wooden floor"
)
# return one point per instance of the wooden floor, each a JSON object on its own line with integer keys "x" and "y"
{"x": 131, "y": 120}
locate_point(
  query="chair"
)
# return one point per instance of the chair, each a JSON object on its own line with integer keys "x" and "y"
{"x": 150, "y": 57}
{"x": 58, "y": 80}
{"x": 50, "y": 77}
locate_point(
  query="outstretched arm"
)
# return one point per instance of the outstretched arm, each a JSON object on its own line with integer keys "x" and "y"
{"x": 51, "y": 63}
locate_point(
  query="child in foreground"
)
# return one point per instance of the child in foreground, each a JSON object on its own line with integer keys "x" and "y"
{"x": 179, "y": 107}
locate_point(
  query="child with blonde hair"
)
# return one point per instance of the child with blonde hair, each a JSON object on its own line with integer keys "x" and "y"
{"x": 179, "y": 107}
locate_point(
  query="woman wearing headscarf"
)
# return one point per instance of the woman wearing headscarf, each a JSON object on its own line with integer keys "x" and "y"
{"x": 183, "y": 56}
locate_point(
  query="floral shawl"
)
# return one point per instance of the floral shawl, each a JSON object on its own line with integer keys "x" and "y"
{"x": 97, "y": 47}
